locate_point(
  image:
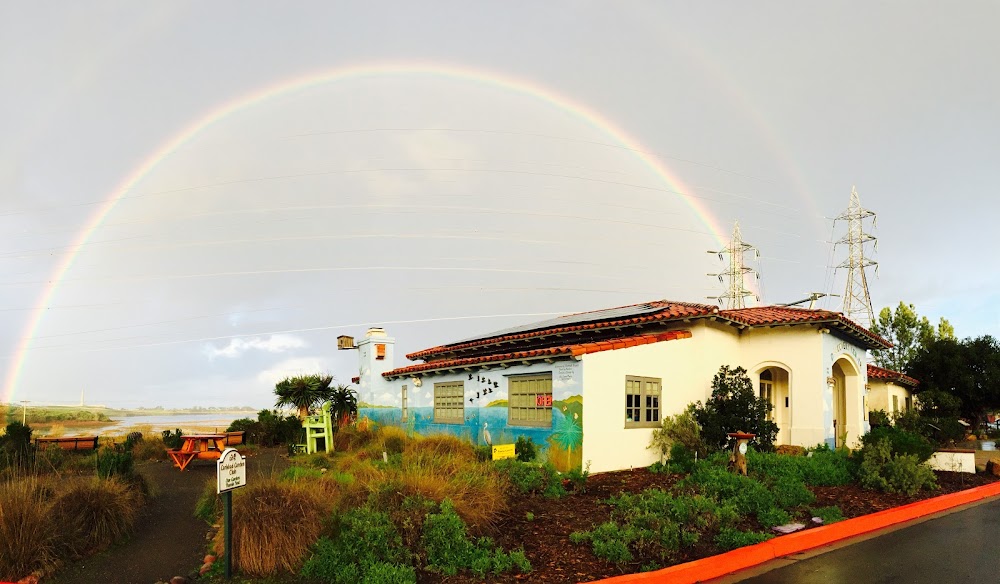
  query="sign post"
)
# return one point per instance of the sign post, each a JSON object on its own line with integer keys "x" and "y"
{"x": 231, "y": 473}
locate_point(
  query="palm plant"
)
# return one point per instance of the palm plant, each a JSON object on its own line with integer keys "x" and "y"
{"x": 343, "y": 404}
{"x": 303, "y": 392}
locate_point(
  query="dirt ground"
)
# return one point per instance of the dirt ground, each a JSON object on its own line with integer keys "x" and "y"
{"x": 556, "y": 560}
{"x": 169, "y": 540}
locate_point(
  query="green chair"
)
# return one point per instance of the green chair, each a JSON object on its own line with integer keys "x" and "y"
{"x": 319, "y": 426}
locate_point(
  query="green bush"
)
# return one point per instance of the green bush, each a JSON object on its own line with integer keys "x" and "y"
{"x": 15, "y": 445}
{"x": 829, "y": 515}
{"x": 730, "y": 539}
{"x": 115, "y": 461}
{"x": 208, "y": 508}
{"x": 654, "y": 524}
{"x": 532, "y": 478}
{"x": 524, "y": 449}
{"x": 172, "y": 440}
{"x": 297, "y": 473}
{"x": 367, "y": 546}
{"x": 680, "y": 430}
{"x": 900, "y": 442}
{"x": 821, "y": 467}
{"x": 446, "y": 543}
{"x": 878, "y": 419}
{"x": 900, "y": 473}
{"x": 269, "y": 429}
{"x": 734, "y": 406}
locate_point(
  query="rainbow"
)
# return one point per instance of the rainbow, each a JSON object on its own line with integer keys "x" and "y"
{"x": 489, "y": 78}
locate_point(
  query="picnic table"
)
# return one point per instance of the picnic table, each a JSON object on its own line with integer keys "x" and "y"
{"x": 200, "y": 446}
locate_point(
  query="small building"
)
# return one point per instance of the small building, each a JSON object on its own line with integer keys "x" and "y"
{"x": 631, "y": 366}
{"x": 889, "y": 391}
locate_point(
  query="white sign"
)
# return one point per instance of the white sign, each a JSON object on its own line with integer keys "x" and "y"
{"x": 231, "y": 471}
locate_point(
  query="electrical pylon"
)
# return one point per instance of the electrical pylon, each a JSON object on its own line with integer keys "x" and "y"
{"x": 734, "y": 276}
{"x": 857, "y": 303}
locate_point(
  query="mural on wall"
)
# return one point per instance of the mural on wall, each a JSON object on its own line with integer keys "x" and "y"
{"x": 486, "y": 418}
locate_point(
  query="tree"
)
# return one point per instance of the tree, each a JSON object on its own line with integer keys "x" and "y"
{"x": 908, "y": 333}
{"x": 343, "y": 403}
{"x": 303, "y": 392}
{"x": 967, "y": 370}
{"x": 734, "y": 407}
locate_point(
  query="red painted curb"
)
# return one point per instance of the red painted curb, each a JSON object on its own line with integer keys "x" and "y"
{"x": 793, "y": 543}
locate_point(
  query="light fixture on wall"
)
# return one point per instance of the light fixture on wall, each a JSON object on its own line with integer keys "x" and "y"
{"x": 417, "y": 382}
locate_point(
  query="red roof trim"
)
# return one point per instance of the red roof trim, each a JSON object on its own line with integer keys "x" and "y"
{"x": 890, "y": 375}
{"x": 563, "y": 351}
{"x": 671, "y": 311}
{"x": 781, "y": 315}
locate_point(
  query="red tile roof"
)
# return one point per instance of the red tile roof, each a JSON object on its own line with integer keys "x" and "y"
{"x": 535, "y": 354}
{"x": 668, "y": 311}
{"x": 890, "y": 375}
{"x": 786, "y": 315}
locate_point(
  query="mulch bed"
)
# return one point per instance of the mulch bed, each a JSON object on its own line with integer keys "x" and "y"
{"x": 555, "y": 559}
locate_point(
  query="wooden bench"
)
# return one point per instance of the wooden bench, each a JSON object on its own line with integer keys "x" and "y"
{"x": 234, "y": 438}
{"x": 68, "y": 442}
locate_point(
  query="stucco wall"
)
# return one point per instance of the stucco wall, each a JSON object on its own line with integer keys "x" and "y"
{"x": 837, "y": 349}
{"x": 880, "y": 395}
{"x": 687, "y": 367}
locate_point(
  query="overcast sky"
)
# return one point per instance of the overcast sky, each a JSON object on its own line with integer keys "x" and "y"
{"x": 197, "y": 198}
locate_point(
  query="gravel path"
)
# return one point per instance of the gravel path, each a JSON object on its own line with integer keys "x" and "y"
{"x": 168, "y": 540}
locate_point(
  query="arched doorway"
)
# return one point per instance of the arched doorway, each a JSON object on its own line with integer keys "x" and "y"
{"x": 774, "y": 387}
{"x": 844, "y": 385}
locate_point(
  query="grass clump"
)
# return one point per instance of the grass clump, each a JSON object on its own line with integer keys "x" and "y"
{"x": 94, "y": 513}
{"x": 28, "y": 536}
{"x": 274, "y": 524}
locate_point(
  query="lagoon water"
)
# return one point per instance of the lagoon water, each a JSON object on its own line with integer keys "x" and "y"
{"x": 188, "y": 423}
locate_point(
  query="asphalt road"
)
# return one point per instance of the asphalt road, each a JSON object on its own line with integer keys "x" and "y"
{"x": 961, "y": 546}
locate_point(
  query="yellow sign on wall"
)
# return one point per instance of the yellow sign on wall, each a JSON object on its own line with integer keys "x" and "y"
{"x": 501, "y": 451}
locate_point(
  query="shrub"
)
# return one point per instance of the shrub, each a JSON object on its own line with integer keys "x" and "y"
{"x": 274, "y": 524}
{"x": 448, "y": 549}
{"x": 172, "y": 440}
{"x": 830, "y": 514}
{"x": 730, "y": 539}
{"x": 297, "y": 473}
{"x": 900, "y": 442}
{"x": 576, "y": 479}
{"x": 531, "y": 478}
{"x": 734, "y": 406}
{"x": 901, "y": 473}
{"x": 152, "y": 448}
{"x": 28, "y": 535}
{"x": 682, "y": 430}
{"x": 878, "y": 419}
{"x": 15, "y": 444}
{"x": 524, "y": 449}
{"x": 93, "y": 514}
{"x": 115, "y": 460}
{"x": 368, "y": 548}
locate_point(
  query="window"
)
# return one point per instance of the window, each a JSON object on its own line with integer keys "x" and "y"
{"x": 402, "y": 401}
{"x": 766, "y": 388}
{"x": 642, "y": 402}
{"x": 449, "y": 402}
{"x": 380, "y": 351}
{"x": 895, "y": 404}
{"x": 529, "y": 400}
{"x": 909, "y": 403}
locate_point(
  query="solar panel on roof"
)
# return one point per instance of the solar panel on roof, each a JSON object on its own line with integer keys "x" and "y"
{"x": 573, "y": 319}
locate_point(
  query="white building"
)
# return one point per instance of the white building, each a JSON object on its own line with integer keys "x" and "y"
{"x": 631, "y": 366}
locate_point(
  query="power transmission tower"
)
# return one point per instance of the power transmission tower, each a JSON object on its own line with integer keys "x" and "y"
{"x": 857, "y": 302}
{"x": 734, "y": 276}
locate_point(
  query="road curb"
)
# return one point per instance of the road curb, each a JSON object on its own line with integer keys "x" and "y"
{"x": 747, "y": 557}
